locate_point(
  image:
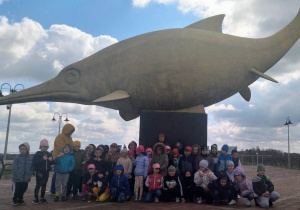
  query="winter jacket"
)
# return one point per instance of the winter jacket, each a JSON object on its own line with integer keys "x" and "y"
{"x": 22, "y": 166}
{"x": 102, "y": 185}
{"x": 79, "y": 158}
{"x": 100, "y": 165}
{"x": 230, "y": 175}
{"x": 127, "y": 165}
{"x": 204, "y": 180}
{"x": 120, "y": 182}
{"x": 38, "y": 162}
{"x": 261, "y": 184}
{"x": 236, "y": 162}
{"x": 154, "y": 182}
{"x": 161, "y": 159}
{"x": 224, "y": 192}
{"x": 141, "y": 164}
{"x": 222, "y": 163}
{"x": 243, "y": 186}
{"x": 93, "y": 177}
{"x": 66, "y": 163}
{"x": 186, "y": 164}
{"x": 173, "y": 181}
{"x": 188, "y": 184}
{"x": 210, "y": 160}
{"x": 62, "y": 139}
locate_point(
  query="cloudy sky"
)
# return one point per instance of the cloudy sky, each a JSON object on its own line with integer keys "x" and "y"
{"x": 39, "y": 38}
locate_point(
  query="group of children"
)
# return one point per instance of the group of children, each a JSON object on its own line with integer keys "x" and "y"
{"x": 108, "y": 174}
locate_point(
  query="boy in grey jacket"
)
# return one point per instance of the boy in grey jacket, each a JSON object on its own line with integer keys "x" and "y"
{"x": 22, "y": 172}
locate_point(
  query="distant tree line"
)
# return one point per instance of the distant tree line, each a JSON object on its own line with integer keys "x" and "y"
{"x": 269, "y": 157}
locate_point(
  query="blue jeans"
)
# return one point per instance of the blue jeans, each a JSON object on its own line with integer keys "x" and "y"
{"x": 149, "y": 196}
{"x": 117, "y": 195}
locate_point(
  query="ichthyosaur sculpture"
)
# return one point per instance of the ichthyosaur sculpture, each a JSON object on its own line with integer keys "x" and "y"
{"x": 178, "y": 70}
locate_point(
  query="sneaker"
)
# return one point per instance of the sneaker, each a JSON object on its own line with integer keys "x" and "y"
{"x": 56, "y": 198}
{"x": 63, "y": 198}
{"x": 248, "y": 203}
{"x": 80, "y": 194}
{"x": 156, "y": 200}
{"x": 15, "y": 203}
{"x": 136, "y": 198}
{"x": 22, "y": 202}
{"x": 232, "y": 202}
{"x": 177, "y": 200}
{"x": 67, "y": 197}
{"x": 238, "y": 196}
{"x": 36, "y": 201}
{"x": 140, "y": 198}
{"x": 43, "y": 200}
{"x": 199, "y": 200}
{"x": 75, "y": 197}
{"x": 97, "y": 199}
{"x": 84, "y": 198}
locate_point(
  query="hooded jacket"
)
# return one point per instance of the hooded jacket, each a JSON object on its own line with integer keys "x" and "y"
{"x": 66, "y": 163}
{"x": 141, "y": 164}
{"x": 261, "y": 184}
{"x": 173, "y": 181}
{"x": 126, "y": 162}
{"x": 38, "y": 162}
{"x": 22, "y": 166}
{"x": 224, "y": 192}
{"x": 62, "y": 139}
{"x": 120, "y": 183}
{"x": 243, "y": 186}
{"x": 222, "y": 163}
{"x": 162, "y": 159}
{"x": 204, "y": 181}
{"x": 93, "y": 177}
{"x": 186, "y": 163}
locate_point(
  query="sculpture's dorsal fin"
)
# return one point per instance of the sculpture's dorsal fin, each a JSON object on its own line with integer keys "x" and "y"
{"x": 246, "y": 93}
{"x": 116, "y": 95}
{"x": 253, "y": 70}
{"x": 210, "y": 24}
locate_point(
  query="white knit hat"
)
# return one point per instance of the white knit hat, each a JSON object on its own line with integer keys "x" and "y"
{"x": 203, "y": 163}
{"x": 44, "y": 143}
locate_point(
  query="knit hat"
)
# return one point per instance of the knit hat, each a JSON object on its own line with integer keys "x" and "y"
{"x": 131, "y": 152}
{"x": 171, "y": 168}
{"x": 188, "y": 148}
{"x": 203, "y": 163}
{"x": 229, "y": 162}
{"x": 26, "y": 144}
{"x": 168, "y": 147}
{"x": 175, "y": 151}
{"x": 140, "y": 149}
{"x": 214, "y": 146}
{"x": 91, "y": 166}
{"x": 225, "y": 148}
{"x": 114, "y": 145}
{"x": 260, "y": 167}
{"x": 204, "y": 148}
{"x": 156, "y": 165}
{"x": 149, "y": 150}
{"x": 44, "y": 143}
{"x": 76, "y": 143}
{"x": 124, "y": 150}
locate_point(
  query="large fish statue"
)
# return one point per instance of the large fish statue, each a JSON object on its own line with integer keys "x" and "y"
{"x": 173, "y": 70}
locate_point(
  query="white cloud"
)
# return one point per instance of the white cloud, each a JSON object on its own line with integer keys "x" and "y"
{"x": 220, "y": 107}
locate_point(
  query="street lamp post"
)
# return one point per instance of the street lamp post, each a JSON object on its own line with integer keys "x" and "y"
{"x": 8, "y": 106}
{"x": 60, "y": 119}
{"x": 288, "y": 122}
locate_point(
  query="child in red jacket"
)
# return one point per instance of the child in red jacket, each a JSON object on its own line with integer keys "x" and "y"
{"x": 154, "y": 183}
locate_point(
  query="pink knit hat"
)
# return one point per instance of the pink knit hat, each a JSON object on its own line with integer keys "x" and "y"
{"x": 91, "y": 166}
{"x": 131, "y": 152}
{"x": 44, "y": 143}
{"x": 140, "y": 149}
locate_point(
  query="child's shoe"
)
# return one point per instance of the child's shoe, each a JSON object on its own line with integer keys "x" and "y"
{"x": 80, "y": 194}
{"x": 14, "y": 203}
{"x": 136, "y": 198}
{"x": 156, "y": 200}
{"x": 140, "y": 198}
{"x": 84, "y": 198}
{"x": 238, "y": 196}
{"x": 248, "y": 203}
{"x": 232, "y": 202}
{"x": 67, "y": 197}
{"x": 36, "y": 201}
{"x": 63, "y": 198}
{"x": 199, "y": 200}
{"x": 43, "y": 200}
{"x": 75, "y": 197}
{"x": 56, "y": 198}
{"x": 97, "y": 199}
{"x": 21, "y": 202}
{"x": 177, "y": 200}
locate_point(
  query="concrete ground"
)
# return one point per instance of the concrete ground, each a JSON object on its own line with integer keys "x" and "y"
{"x": 286, "y": 181}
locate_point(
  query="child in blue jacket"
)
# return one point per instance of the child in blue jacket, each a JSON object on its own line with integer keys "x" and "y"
{"x": 141, "y": 164}
{"x": 64, "y": 164}
{"x": 119, "y": 185}
{"x": 223, "y": 160}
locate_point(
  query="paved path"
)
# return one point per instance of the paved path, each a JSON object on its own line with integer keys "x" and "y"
{"x": 286, "y": 181}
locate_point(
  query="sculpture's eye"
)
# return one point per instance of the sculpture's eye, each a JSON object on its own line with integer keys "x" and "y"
{"x": 72, "y": 76}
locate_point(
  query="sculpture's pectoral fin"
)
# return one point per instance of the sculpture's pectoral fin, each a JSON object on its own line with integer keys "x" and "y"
{"x": 253, "y": 70}
{"x": 210, "y": 24}
{"x": 246, "y": 93}
{"x": 128, "y": 115}
{"x": 116, "y": 95}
